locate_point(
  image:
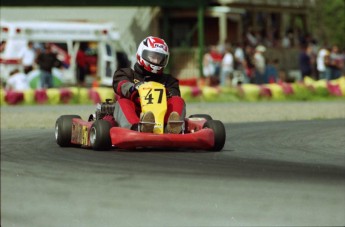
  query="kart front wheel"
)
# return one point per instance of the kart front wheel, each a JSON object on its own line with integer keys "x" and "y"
{"x": 100, "y": 135}
{"x": 63, "y": 130}
{"x": 206, "y": 116}
{"x": 219, "y": 133}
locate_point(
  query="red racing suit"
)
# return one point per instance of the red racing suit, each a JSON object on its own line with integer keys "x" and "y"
{"x": 127, "y": 107}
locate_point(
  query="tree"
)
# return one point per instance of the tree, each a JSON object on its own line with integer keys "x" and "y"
{"x": 328, "y": 21}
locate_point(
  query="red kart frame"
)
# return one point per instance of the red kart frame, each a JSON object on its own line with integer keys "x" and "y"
{"x": 201, "y": 132}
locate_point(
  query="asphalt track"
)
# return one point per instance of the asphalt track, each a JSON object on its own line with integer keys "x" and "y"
{"x": 269, "y": 174}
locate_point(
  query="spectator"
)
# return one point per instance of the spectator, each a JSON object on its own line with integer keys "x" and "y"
{"x": 208, "y": 67}
{"x": 239, "y": 57}
{"x": 321, "y": 63}
{"x": 304, "y": 61}
{"x": 248, "y": 64}
{"x": 217, "y": 61}
{"x": 46, "y": 61}
{"x": 17, "y": 81}
{"x": 271, "y": 75}
{"x": 336, "y": 62}
{"x": 227, "y": 67}
{"x": 240, "y": 64}
{"x": 260, "y": 64}
{"x": 28, "y": 56}
{"x": 82, "y": 66}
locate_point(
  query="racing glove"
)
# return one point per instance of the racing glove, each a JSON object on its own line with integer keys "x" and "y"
{"x": 134, "y": 92}
{"x": 135, "y": 87}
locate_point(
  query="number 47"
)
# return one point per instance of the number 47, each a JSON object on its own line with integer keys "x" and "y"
{"x": 150, "y": 97}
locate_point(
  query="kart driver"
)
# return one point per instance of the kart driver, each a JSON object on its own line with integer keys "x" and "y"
{"x": 152, "y": 57}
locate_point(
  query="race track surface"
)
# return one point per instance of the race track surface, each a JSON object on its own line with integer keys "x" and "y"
{"x": 269, "y": 174}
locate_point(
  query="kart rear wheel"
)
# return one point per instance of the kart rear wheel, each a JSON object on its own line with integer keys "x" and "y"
{"x": 206, "y": 116}
{"x": 100, "y": 135}
{"x": 63, "y": 130}
{"x": 219, "y": 133}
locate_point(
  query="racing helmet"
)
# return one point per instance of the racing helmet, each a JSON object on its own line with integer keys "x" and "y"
{"x": 153, "y": 54}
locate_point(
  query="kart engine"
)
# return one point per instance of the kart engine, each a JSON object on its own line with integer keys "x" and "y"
{"x": 105, "y": 108}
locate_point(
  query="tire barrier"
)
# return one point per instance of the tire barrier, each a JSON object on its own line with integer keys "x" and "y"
{"x": 309, "y": 89}
{"x": 54, "y": 96}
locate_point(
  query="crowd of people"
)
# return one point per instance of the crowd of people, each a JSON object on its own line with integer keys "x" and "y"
{"x": 234, "y": 65}
{"x": 31, "y": 57}
{"x": 229, "y": 65}
{"x": 43, "y": 57}
{"x": 225, "y": 65}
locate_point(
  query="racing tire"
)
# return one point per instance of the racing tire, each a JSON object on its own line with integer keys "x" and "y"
{"x": 100, "y": 135}
{"x": 219, "y": 133}
{"x": 206, "y": 116}
{"x": 63, "y": 130}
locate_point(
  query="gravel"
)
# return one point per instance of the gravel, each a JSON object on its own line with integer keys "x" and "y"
{"x": 44, "y": 116}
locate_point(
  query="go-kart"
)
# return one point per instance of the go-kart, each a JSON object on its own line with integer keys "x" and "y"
{"x": 199, "y": 131}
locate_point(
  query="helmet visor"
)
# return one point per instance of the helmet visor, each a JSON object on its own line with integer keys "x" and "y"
{"x": 155, "y": 58}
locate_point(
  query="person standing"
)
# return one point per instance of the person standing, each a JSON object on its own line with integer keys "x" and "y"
{"x": 322, "y": 55}
{"x": 217, "y": 57}
{"x": 248, "y": 64}
{"x": 271, "y": 74}
{"x": 46, "y": 61}
{"x": 227, "y": 67}
{"x": 336, "y": 62}
{"x": 208, "y": 68}
{"x": 304, "y": 60}
{"x": 260, "y": 64}
{"x": 27, "y": 57}
{"x": 82, "y": 65}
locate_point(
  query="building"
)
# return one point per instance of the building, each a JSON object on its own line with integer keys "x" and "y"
{"x": 187, "y": 26}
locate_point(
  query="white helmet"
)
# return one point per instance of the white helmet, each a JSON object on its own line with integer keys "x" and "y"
{"x": 153, "y": 54}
